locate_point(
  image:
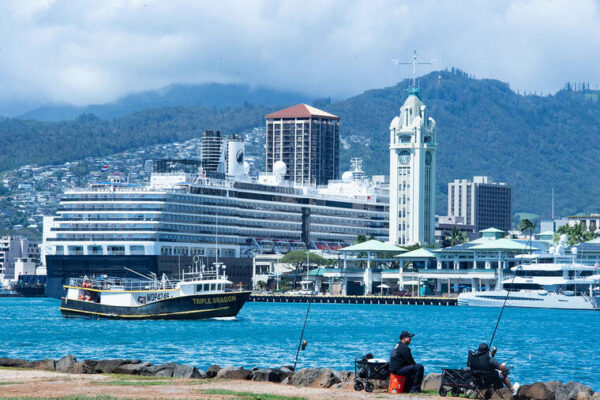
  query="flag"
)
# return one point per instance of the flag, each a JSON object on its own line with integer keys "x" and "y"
{"x": 104, "y": 168}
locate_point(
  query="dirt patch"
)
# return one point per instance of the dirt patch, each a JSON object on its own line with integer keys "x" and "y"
{"x": 26, "y": 383}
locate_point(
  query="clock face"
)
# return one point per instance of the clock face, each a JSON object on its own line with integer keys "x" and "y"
{"x": 404, "y": 157}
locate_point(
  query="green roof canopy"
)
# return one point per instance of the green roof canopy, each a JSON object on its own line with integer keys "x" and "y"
{"x": 374, "y": 246}
{"x": 503, "y": 244}
{"x": 492, "y": 230}
{"x": 418, "y": 253}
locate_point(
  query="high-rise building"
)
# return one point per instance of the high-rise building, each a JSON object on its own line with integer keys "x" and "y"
{"x": 13, "y": 248}
{"x": 412, "y": 174}
{"x": 211, "y": 149}
{"x": 482, "y": 203}
{"x": 307, "y": 140}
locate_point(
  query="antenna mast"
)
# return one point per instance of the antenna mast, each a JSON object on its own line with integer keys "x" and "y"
{"x": 414, "y": 64}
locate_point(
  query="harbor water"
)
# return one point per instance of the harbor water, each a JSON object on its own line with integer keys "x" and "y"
{"x": 539, "y": 345}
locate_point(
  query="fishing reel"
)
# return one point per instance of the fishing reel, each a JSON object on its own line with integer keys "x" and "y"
{"x": 304, "y": 343}
{"x": 494, "y": 351}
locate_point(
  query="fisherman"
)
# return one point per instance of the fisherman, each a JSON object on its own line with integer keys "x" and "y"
{"x": 486, "y": 362}
{"x": 402, "y": 363}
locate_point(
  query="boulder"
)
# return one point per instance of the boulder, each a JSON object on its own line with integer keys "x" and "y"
{"x": 82, "y": 368}
{"x": 132, "y": 369}
{"x": 14, "y": 363}
{"x": 328, "y": 378}
{"x": 46, "y": 365}
{"x": 287, "y": 368}
{"x": 305, "y": 376}
{"x": 535, "y": 391}
{"x": 502, "y": 394}
{"x": 108, "y": 366}
{"x": 163, "y": 370}
{"x": 186, "y": 372}
{"x": 212, "y": 371}
{"x": 267, "y": 375}
{"x": 552, "y": 385}
{"x": 346, "y": 376}
{"x": 66, "y": 364}
{"x": 571, "y": 390}
{"x": 584, "y": 396}
{"x": 432, "y": 382}
{"x": 230, "y": 372}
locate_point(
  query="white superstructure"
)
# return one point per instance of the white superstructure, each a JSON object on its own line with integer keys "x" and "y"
{"x": 412, "y": 174}
{"x": 546, "y": 282}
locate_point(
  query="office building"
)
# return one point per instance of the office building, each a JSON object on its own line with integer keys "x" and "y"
{"x": 482, "y": 203}
{"x": 307, "y": 140}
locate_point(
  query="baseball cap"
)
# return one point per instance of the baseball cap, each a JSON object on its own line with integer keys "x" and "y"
{"x": 406, "y": 334}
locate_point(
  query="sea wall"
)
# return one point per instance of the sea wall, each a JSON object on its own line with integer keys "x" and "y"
{"x": 307, "y": 377}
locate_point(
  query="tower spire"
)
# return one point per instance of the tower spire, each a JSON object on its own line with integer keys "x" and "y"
{"x": 414, "y": 63}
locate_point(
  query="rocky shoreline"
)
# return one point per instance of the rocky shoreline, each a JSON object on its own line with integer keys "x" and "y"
{"x": 285, "y": 375}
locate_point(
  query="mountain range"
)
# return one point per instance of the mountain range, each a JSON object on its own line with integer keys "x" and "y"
{"x": 211, "y": 95}
{"x": 533, "y": 143}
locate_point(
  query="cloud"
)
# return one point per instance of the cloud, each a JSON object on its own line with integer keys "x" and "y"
{"x": 82, "y": 52}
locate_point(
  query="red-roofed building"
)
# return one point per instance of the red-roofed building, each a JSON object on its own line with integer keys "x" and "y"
{"x": 307, "y": 140}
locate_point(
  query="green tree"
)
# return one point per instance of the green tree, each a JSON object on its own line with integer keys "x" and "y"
{"x": 456, "y": 236}
{"x": 575, "y": 234}
{"x": 527, "y": 225}
{"x": 297, "y": 261}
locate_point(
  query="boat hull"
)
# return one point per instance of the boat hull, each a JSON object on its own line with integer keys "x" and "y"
{"x": 527, "y": 299}
{"x": 220, "y": 305}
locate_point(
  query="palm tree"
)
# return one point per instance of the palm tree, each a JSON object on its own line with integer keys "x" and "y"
{"x": 526, "y": 225}
{"x": 456, "y": 236}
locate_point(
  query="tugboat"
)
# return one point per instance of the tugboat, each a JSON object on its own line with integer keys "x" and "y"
{"x": 200, "y": 294}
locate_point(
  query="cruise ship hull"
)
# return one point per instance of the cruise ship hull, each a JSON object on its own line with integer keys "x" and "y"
{"x": 221, "y": 305}
{"x": 528, "y": 299}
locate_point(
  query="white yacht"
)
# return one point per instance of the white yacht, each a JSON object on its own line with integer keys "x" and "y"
{"x": 551, "y": 280}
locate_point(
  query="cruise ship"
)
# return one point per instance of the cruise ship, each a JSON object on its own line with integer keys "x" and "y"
{"x": 185, "y": 211}
{"x": 545, "y": 281}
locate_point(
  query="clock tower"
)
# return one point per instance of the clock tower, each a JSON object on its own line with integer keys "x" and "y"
{"x": 412, "y": 174}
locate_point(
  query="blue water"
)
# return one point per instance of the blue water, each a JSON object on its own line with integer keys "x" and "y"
{"x": 538, "y": 344}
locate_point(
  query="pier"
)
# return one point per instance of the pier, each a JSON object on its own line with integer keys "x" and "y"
{"x": 415, "y": 301}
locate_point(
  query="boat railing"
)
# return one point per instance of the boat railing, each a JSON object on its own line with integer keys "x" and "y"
{"x": 121, "y": 284}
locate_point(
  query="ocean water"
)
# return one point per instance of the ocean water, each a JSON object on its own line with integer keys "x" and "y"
{"x": 538, "y": 345}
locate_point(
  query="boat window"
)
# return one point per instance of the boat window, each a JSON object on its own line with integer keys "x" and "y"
{"x": 219, "y": 287}
{"x": 522, "y": 286}
{"x": 213, "y": 286}
{"x": 198, "y": 288}
{"x": 206, "y": 287}
{"x": 539, "y": 273}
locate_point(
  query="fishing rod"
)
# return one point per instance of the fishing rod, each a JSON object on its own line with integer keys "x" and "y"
{"x": 302, "y": 344}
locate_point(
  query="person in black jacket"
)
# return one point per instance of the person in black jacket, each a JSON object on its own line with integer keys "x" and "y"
{"x": 402, "y": 363}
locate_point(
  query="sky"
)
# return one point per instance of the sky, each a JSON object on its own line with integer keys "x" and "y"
{"x": 88, "y": 52}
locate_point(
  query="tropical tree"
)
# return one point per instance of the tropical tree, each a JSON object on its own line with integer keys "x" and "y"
{"x": 575, "y": 234}
{"x": 298, "y": 261}
{"x": 456, "y": 236}
{"x": 526, "y": 225}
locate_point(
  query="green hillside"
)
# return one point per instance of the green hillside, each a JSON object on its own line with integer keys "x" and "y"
{"x": 484, "y": 128}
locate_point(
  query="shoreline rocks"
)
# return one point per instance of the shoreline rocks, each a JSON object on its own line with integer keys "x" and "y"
{"x": 306, "y": 377}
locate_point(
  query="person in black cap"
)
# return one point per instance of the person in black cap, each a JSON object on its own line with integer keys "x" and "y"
{"x": 402, "y": 363}
{"x": 484, "y": 360}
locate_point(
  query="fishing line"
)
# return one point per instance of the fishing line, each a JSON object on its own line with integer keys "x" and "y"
{"x": 302, "y": 333}
{"x": 502, "y": 309}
